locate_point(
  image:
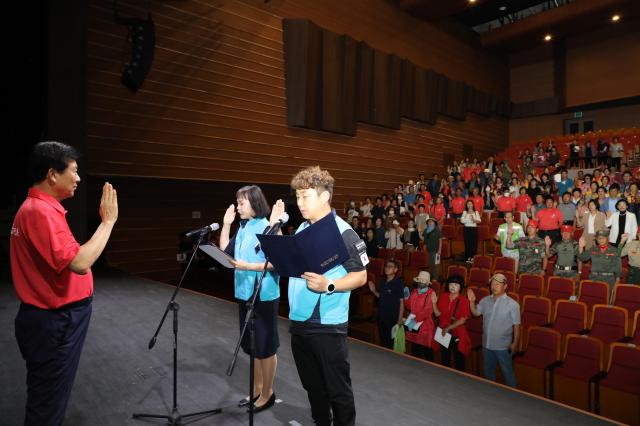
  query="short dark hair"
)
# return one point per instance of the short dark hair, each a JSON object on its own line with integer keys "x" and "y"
{"x": 50, "y": 155}
{"x": 578, "y": 190}
{"x": 395, "y": 263}
{"x": 594, "y": 201}
{"x": 256, "y": 198}
{"x": 566, "y": 193}
{"x": 455, "y": 278}
{"x": 614, "y": 186}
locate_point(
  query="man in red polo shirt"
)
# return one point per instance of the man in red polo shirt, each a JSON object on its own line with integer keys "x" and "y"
{"x": 549, "y": 221}
{"x": 506, "y": 203}
{"x": 478, "y": 201}
{"x": 457, "y": 204}
{"x": 52, "y": 278}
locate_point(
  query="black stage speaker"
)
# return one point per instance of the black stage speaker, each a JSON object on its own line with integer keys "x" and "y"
{"x": 142, "y": 33}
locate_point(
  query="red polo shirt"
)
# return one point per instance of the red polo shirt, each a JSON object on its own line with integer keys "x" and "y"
{"x": 42, "y": 247}
{"x": 523, "y": 202}
{"x": 438, "y": 211}
{"x": 478, "y": 202}
{"x": 457, "y": 205}
{"x": 549, "y": 219}
{"x": 506, "y": 204}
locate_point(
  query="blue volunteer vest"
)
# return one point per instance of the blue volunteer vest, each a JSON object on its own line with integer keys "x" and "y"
{"x": 245, "y": 249}
{"x": 334, "y": 308}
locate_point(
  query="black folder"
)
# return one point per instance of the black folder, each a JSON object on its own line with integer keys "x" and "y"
{"x": 317, "y": 248}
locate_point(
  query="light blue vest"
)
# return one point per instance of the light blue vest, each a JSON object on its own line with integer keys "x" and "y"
{"x": 245, "y": 249}
{"x": 334, "y": 308}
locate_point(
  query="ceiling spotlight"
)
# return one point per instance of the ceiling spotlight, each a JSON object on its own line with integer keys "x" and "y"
{"x": 547, "y": 37}
{"x": 615, "y": 18}
{"x": 472, "y": 1}
{"x": 502, "y": 8}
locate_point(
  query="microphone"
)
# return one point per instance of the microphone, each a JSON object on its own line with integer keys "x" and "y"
{"x": 208, "y": 228}
{"x": 284, "y": 218}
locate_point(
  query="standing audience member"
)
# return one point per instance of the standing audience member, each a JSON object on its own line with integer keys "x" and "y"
{"x": 393, "y": 235}
{"x": 591, "y": 220}
{"x": 567, "y": 208}
{"x": 501, "y": 328}
{"x": 532, "y": 253}
{"x": 453, "y": 311}
{"x": 567, "y": 265}
{"x": 509, "y": 231}
{"x": 549, "y": 220}
{"x": 372, "y": 244}
{"x": 390, "y": 296}
{"x": 422, "y": 303}
{"x": 621, "y": 222}
{"x": 631, "y": 247}
{"x": 432, "y": 244}
{"x": 606, "y": 264}
{"x": 470, "y": 219}
{"x": 523, "y": 203}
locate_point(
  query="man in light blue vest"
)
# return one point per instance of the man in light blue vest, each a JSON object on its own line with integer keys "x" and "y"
{"x": 319, "y": 309}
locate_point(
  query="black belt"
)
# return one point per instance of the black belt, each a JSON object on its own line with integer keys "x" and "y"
{"x": 76, "y": 304}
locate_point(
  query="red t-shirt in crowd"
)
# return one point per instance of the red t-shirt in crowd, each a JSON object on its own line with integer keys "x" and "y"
{"x": 523, "y": 202}
{"x": 506, "y": 204}
{"x": 478, "y": 202}
{"x": 446, "y": 306}
{"x": 438, "y": 211}
{"x": 549, "y": 219}
{"x": 427, "y": 198}
{"x": 457, "y": 205}
{"x": 42, "y": 247}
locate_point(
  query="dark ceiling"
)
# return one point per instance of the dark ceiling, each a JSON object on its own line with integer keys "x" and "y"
{"x": 518, "y": 27}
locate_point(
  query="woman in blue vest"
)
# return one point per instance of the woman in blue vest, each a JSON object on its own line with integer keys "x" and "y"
{"x": 253, "y": 210}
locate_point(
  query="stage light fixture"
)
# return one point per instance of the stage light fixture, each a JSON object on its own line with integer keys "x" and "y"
{"x": 548, "y": 37}
{"x": 615, "y": 18}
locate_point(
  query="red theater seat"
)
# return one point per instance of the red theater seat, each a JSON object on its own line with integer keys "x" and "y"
{"x": 532, "y": 365}
{"x": 608, "y": 323}
{"x": 478, "y": 277}
{"x": 484, "y": 262}
{"x": 581, "y": 363}
{"x": 457, "y": 270}
{"x": 560, "y": 288}
{"x": 627, "y": 296}
{"x": 618, "y": 393}
{"x": 593, "y": 293}
{"x": 569, "y": 317}
{"x": 530, "y": 285}
{"x": 504, "y": 264}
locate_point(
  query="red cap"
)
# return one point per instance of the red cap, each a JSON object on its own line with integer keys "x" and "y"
{"x": 566, "y": 228}
{"x": 532, "y": 222}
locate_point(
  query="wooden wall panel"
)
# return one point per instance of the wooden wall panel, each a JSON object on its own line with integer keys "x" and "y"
{"x": 213, "y": 109}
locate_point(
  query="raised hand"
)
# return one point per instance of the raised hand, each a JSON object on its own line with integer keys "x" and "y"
{"x": 109, "y": 204}
{"x": 229, "y": 215}
{"x": 276, "y": 212}
{"x": 623, "y": 238}
{"x": 547, "y": 241}
{"x": 471, "y": 295}
{"x": 372, "y": 286}
{"x": 434, "y": 297}
{"x": 582, "y": 243}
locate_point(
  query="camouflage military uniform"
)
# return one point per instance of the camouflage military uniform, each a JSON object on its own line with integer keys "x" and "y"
{"x": 566, "y": 265}
{"x": 532, "y": 252}
{"x": 605, "y": 266}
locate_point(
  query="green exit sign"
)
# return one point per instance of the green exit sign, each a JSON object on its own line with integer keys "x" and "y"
{"x": 577, "y": 115}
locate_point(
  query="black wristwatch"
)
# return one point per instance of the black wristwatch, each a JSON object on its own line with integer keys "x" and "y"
{"x": 331, "y": 287}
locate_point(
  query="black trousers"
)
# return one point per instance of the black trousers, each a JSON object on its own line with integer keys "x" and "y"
{"x": 322, "y": 361}
{"x": 51, "y": 343}
{"x": 470, "y": 236}
{"x": 384, "y": 330}
{"x": 458, "y": 357}
{"x": 422, "y": 351}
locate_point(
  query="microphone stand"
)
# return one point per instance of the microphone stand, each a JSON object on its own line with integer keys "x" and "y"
{"x": 249, "y": 323}
{"x": 175, "y": 418}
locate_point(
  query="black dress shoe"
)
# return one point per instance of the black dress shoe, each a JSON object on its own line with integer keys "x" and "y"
{"x": 266, "y": 405}
{"x": 245, "y": 401}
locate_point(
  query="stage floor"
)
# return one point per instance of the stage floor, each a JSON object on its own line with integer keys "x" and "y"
{"x": 118, "y": 375}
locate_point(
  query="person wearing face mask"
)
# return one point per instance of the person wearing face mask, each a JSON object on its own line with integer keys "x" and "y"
{"x": 431, "y": 237}
{"x": 621, "y": 222}
{"x": 488, "y": 199}
{"x": 453, "y": 310}
{"x": 421, "y": 302}
{"x": 506, "y": 203}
